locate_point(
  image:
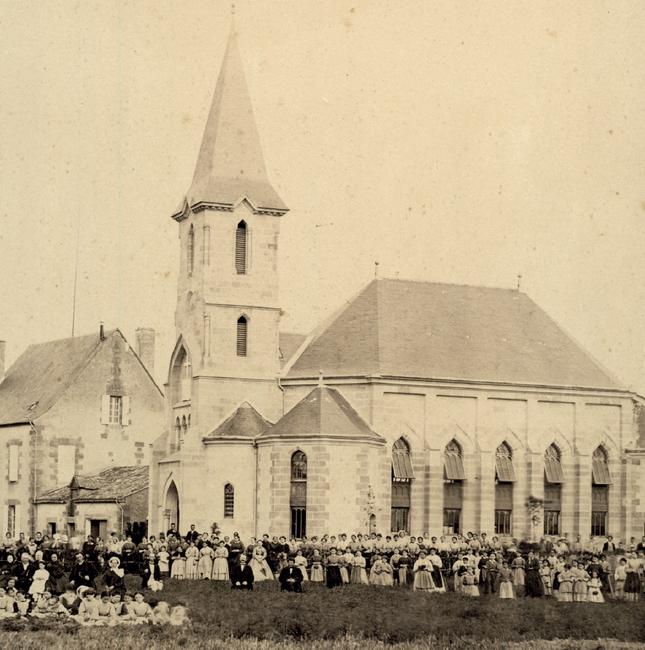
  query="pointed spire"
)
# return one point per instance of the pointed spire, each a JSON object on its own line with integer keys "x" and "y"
{"x": 230, "y": 165}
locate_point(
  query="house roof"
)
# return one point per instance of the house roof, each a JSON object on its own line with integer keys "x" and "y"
{"x": 289, "y": 344}
{"x": 444, "y": 331}
{"x": 111, "y": 484}
{"x": 230, "y": 166}
{"x": 41, "y": 374}
{"x": 244, "y": 422}
{"x": 324, "y": 412}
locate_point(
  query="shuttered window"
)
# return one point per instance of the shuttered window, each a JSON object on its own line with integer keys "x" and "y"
{"x": 401, "y": 495}
{"x": 600, "y": 468}
{"x": 242, "y": 331}
{"x": 504, "y": 496}
{"x": 452, "y": 462}
{"x": 504, "y": 470}
{"x": 552, "y": 496}
{"x": 452, "y": 495}
{"x": 240, "y": 248}
{"x": 401, "y": 462}
{"x": 229, "y": 500}
{"x": 552, "y": 465}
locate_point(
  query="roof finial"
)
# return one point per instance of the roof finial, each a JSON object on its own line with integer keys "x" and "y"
{"x": 321, "y": 381}
{"x": 376, "y": 268}
{"x": 519, "y": 281}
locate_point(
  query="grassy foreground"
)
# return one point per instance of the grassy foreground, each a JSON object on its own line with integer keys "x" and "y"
{"x": 353, "y": 617}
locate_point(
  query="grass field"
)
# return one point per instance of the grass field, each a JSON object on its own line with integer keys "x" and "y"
{"x": 355, "y": 616}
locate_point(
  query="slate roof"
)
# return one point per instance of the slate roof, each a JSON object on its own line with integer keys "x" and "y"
{"x": 323, "y": 412}
{"x": 106, "y": 486}
{"x": 230, "y": 165}
{"x": 41, "y": 374}
{"x": 442, "y": 331}
{"x": 245, "y": 422}
{"x": 289, "y": 344}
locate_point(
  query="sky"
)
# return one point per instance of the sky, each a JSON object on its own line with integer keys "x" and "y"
{"x": 451, "y": 141}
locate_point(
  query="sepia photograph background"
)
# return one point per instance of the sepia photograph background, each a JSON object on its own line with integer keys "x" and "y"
{"x": 458, "y": 142}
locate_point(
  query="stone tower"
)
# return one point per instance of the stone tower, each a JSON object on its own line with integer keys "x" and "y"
{"x": 228, "y": 310}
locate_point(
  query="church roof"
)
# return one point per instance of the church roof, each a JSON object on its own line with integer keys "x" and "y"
{"x": 41, "y": 374}
{"x": 289, "y": 344}
{"x": 245, "y": 422}
{"x": 230, "y": 166}
{"x": 109, "y": 485}
{"x": 442, "y": 331}
{"x": 324, "y": 412}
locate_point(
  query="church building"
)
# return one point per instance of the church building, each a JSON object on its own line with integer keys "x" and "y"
{"x": 421, "y": 406}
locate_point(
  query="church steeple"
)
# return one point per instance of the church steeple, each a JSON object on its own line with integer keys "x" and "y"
{"x": 230, "y": 166}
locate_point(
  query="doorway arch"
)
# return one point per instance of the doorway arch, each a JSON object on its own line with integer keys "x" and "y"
{"x": 171, "y": 507}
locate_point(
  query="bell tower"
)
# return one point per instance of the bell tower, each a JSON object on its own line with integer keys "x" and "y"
{"x": 228, "y": 310}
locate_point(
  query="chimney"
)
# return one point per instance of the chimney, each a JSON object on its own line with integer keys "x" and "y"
{"x": 3, "y": 345}
{"x": 146, "y": 347}
{"x": 101, "y": 332}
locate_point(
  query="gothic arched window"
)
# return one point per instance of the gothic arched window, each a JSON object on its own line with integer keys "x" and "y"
{"x": 504, "y": 477}
{"x": 229, "y": 500}
{"x": 454, "y": 476}
{"x": 298, "y": 497}
{"x": 600, "y": 482}
{"x": 401, "y": 476}
{"x": 553, "y": 478}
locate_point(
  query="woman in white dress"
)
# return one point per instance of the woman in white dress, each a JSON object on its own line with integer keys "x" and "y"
{"x": 358, "y": 576}
{"x": 301, "y": 562}
{"x": 220, "y": 564}
{"x": 39, "y": 581}
{"x": 192, "y": 555}
{"x": 594, "y": 593}
{"x": 259, "y": 564}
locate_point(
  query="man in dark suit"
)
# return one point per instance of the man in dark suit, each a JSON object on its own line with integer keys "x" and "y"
{"x": 24, "y": 572}
{"x": 82, "y": 573}
{"x": 291, "y": 578}
{"x": 242, "y": 575}
{"x": 192, "y": 535}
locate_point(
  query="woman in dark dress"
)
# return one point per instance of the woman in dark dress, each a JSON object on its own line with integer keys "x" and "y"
{"x": 534, "y": 586}
{"x": 333, "y": 569}
{"x": 57, "y": 579}
{"x": 114, "y": 577}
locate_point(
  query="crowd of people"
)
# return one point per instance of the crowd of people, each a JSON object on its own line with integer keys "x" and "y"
{"x": 53, "y": 576}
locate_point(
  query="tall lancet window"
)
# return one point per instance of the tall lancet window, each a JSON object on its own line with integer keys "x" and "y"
{"x": 600, "y": 482}
{"x": 453, "y": 478}
{"x": 190, "y": 250}
{"x": 298, "y": 495}
{"x": 242, "y": 331}
{"x": 553, "y": 479}
{"x": 504, "y": 477}
{"x": 240, "y": 248}
{"x": 402, "y": 476}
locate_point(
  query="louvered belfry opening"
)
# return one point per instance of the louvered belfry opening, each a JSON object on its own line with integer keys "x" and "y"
{"x": 191, "y": 250}
{"x": 504, "y": 478}
{"x": 240, "y": 248}
{"x": 242, "y": 332}
{"x": 402, "y": 476}
{"x": 229, "y": 500}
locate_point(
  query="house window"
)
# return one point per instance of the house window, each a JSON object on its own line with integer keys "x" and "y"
{"x": 402, "y": 476}
{"x": 229, "y": 500}
{"x": 242, "y": 329}
{"x": 298, "y": 495}
{"x": 191, "y": 250}
{"x": 553, "y": 477}
{"x": 240, "y": 248}
{"x": 13, "y": 463}
{"x": 11, "y": 520}
{"x": 116, "y": 409}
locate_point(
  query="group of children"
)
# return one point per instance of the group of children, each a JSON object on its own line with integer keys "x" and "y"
{"x": 86, "y": 607}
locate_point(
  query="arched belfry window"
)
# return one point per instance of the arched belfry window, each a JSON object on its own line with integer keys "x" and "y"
{"x": 298, "y": 495}
{"x": 190, "y": 250}
{"x": 504, "y": 478}
{"x": 175, "y": 443}
{"x": 229, "y": 500}
{"x": 184, "y": 429}
{"x": 242, "y": 334}
{"x": 402, "y": 475}
{"x": 600, "y": 482}
{"x": 553, "y": 478}
{"x": 181, "y": 376}
{"x": 454, "y": 476}
{"x": 241, "y": 240}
